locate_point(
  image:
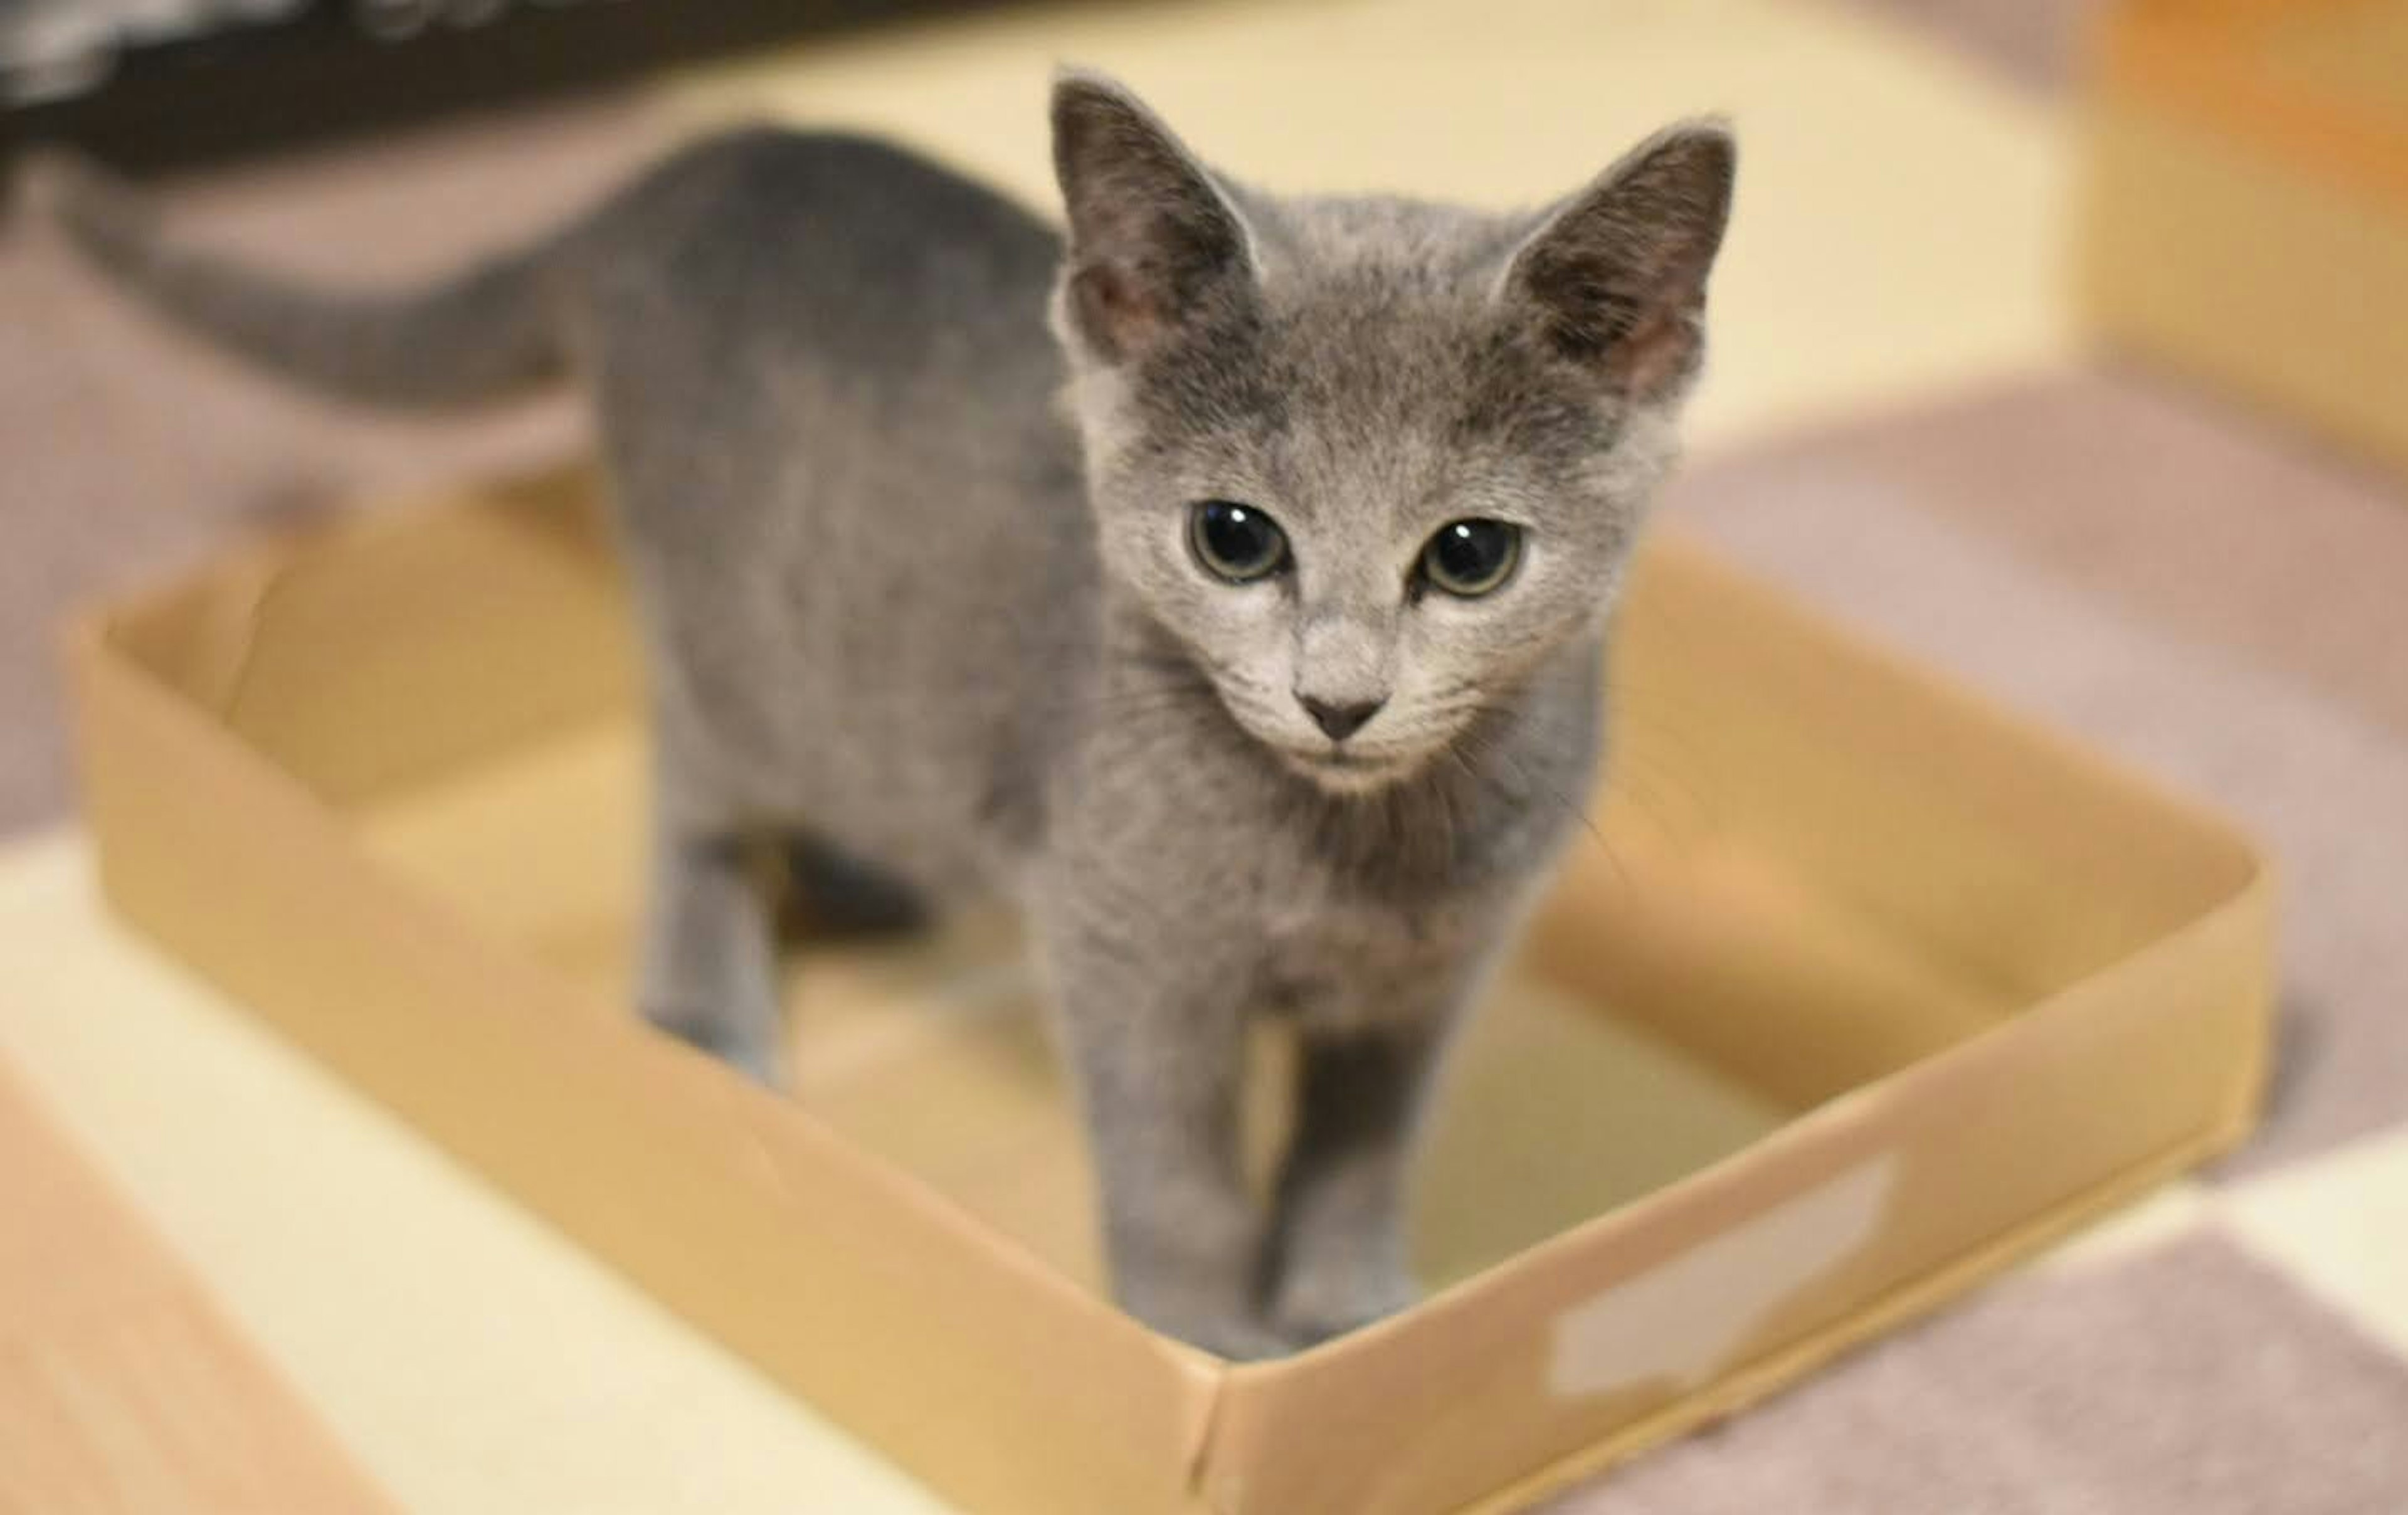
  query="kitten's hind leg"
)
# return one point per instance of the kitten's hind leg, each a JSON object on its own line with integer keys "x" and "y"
{"x": 837, "y": 894}
{"x": 710, "y": 956}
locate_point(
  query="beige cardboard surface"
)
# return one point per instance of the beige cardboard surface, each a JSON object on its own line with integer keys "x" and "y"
{"x": 2245, "y": 206}
{"x": 2002, "y": 985}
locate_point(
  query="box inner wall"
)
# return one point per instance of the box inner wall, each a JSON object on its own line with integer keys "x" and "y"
{"x": 1727, "y": 945}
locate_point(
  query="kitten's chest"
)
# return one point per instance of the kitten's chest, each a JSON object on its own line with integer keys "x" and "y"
{"x": 1393, "y": 918}
{"x": 1344, "y": 947}
{"x": 1344, "y": 965}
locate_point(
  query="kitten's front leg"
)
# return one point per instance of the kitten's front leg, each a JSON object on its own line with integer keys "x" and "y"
{"x": 709, "y": 974}
{"x": 1339, "y": 1253}
{"x": 1157, "y": 1053}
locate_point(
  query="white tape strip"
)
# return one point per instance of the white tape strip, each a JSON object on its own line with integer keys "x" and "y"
{"x": 1683, "y": 1319}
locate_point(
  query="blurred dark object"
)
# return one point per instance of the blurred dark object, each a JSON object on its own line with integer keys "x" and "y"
{"x": 153, "y": 84}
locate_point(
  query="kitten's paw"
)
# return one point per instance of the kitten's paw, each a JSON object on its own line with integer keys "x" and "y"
{"x": 1314, "y": 1306}
{"x": 1223, "y": 1327}
{"x": 1238, "y": 1337}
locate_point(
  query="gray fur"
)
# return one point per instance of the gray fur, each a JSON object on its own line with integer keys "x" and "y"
{"x": 917, "y": 595}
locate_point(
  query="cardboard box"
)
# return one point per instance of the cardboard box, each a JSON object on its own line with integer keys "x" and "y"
{"x": 1858, "y": 992}
{"x": 2247, "y": 204}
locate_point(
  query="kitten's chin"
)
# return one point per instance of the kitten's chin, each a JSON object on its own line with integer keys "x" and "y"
{"x": 1340, "y": 772}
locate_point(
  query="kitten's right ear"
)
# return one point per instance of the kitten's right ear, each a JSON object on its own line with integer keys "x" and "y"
{"x": 1617, "y": 274}
{"x": 1152, "y": 237}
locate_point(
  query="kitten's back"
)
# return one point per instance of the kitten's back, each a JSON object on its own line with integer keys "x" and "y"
{"x": 828, "y": 395}
{"x": 822, "y": 378}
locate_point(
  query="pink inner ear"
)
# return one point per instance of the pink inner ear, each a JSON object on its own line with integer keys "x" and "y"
{"x": 1655, "y": 352}
{"x": 1112, "y": 312}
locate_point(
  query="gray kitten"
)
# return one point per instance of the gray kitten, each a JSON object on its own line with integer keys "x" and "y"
{"x": 1246, "y": 629}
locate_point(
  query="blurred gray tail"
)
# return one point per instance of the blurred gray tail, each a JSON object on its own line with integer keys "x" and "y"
{"x": 483, "y": 334}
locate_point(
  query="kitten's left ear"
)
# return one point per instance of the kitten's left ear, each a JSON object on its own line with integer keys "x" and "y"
{"x": 1152, "y": 238}
{"x": 1616, "y": 275}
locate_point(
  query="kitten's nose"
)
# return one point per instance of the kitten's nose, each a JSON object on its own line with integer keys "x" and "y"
{"x": 1339, "y": 721}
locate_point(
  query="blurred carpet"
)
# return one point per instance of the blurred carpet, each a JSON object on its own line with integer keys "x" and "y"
{"x": 1916, "y": 448}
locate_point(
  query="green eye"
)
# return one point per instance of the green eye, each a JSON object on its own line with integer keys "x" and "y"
{"x": 1236, "y": 542}
{"x": 1470, "y": 558}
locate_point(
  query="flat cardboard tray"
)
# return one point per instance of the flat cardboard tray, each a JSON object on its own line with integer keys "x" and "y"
{"x": 2245, "y": 204}
{"x": 1858, "y": 992}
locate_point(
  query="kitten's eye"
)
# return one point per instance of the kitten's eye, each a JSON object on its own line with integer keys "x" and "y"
{"x": 1468, "y": 558}
{"x": 1236, "y": 542}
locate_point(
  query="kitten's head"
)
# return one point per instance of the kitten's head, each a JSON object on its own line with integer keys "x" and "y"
{"x": 1372, "y": 461}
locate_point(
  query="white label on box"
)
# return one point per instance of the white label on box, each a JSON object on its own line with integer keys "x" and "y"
{"x": 1683, "y": 1319}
